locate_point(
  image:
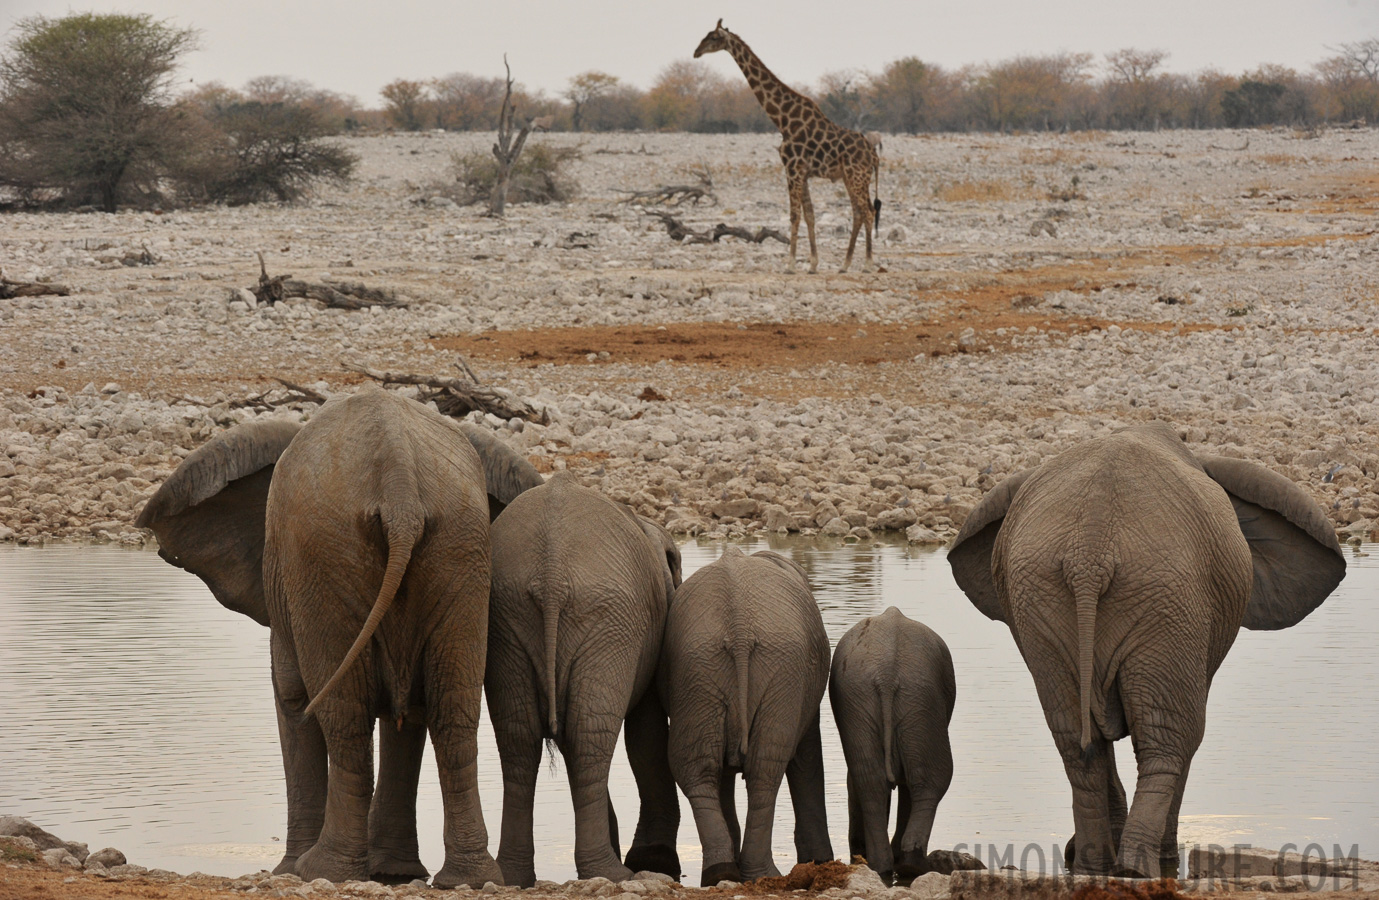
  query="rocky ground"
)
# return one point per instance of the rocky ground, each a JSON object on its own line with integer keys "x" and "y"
{"x": 1033, "y": 291}
{"x": 40, "y": 864}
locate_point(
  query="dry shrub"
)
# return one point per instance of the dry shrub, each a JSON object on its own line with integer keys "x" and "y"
{"x": 1052, "y": 156}
{"x": 987, "y": 190}
{"x": 540, "y": 175}
{"x": 1165, "y": 889}
{"x": 1278, "y": 159}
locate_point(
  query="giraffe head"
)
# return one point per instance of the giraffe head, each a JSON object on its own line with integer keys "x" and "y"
{"x": 713, "y": 41}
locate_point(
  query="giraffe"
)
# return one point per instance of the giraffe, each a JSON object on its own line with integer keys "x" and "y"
{"x": 811, "y": 146}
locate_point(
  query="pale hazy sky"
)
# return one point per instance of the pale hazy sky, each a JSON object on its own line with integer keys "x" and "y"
{"x": 355, "y": 46}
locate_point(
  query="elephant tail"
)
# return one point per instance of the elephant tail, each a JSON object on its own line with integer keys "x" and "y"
{"x": 887, "y": 696}
{"x": 742, "y": 654}
{"x": 550, "y": 613}
{"x": 1087, "y": 586}
{"x": 403, "y": 532}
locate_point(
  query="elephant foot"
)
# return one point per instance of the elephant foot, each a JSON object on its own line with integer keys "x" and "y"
{"x": 517, "y": 872}
{"x": 470, "y": 870}
{"x": 288, "y": 866}
{"x": 323, "y": 862}
{"x": 614, "y": 871}
{"x": 654, "y": 858}
{"x": 393, "y": 867}
{"x": 1168, "y": 866}
{"x": 767, "y": 871}
{"x": 910, "y": 865}
{"x": 720, "y": 872}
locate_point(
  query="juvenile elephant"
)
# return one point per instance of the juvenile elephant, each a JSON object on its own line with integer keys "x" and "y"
{"x": 742, "y": 673}
{"x": 1124, "y": 568}
{"x": 581, "y": 587}
{"x": 892, "y": 690}
{"x": 209, "y": 517}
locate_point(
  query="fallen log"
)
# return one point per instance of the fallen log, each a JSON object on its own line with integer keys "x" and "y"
{"x": 11, "y": 289}
{"x": 681, "y": 232}
{"x": 342, "y": 295}
{"x": 456, "y": 397}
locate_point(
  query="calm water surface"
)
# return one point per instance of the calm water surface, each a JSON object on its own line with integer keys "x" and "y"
{"x": 138, "y": 714}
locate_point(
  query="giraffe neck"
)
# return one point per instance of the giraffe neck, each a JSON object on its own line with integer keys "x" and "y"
{"x": 770, "y": 91}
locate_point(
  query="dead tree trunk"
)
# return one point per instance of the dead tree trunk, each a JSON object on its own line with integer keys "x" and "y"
{"x": 507, "y": 148}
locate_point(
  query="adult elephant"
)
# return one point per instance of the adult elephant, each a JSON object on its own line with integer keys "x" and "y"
{"x": 581, "y": 588}
{"x": 209, "y": 518}
{"x": 892, "y": 690}
{"x": 1124, "y": 568}
{"x": 742, "y": 674}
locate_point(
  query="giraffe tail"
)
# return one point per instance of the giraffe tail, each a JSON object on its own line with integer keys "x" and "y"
{"x": 876, "y": 204}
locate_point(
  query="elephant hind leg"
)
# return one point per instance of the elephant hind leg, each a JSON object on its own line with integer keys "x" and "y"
{"x": 646, "y": 737}
{"x": 393, "y": 854}
{"x": 304, "y": 766}
{"x": 914, "y": 822}
{"x": 805, "y": 774}
{"x": 454, "y": 684}
{"x": 342, "y": 852}
{"x": 1167, "y": 718}
{"x": 1169, "y": 856}
{"x": 589, "y": 738}
{"x": 763, "y": 786}
{"x": 519, "y": 752}
{"x": 873, "y": 804}
{"x": 1095, "y": 851}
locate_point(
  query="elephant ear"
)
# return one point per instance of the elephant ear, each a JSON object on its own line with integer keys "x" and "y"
{"x": 661, "y": 539}
{"x": 970, "y": 552}
{"x": 209, "y": 514}
{"x": 1297, "y": 559}
{"x": 506, "y": 473}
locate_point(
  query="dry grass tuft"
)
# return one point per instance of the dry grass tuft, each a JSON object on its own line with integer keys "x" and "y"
{"x": 979, "y": 191}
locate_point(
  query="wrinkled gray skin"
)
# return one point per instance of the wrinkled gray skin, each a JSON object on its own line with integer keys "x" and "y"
{"x": 742, "y": 673}
{"x": 1124, "y": 568}
{"x": 892, "y": 690}
{"x": 581, "y": 588}
{"x": 209, "y": 519}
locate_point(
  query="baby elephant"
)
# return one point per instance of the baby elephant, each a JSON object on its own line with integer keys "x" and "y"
{"x": 742, "y": 672}
{"x": 892, "y": 691}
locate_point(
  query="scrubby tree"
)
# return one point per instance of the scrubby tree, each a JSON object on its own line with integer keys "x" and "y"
{"x": 403, "y": 101}
{"x": 466, "y": 102}
{"x": 1136, "y": 88}
{"x": 584, "y": 89}
{"x": 273, "y": 151}
{"x": 845, "y": 97}
{"x": 86, "y": 107}
{"x": 899, "y": 94}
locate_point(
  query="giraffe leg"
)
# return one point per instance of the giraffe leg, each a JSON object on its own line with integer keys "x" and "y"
{"x": 809, "y": 221}
{"x": 796, "y": 203}
{"x": 861, "y": 218}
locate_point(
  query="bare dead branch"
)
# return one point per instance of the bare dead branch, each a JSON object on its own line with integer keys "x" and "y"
{"x": 458, "y": 398}
{"x": 1244, "y": 146}
{"x": 507, "y": 149}
{"x": 343, "y": 295}
{"x": 676, "y": 194}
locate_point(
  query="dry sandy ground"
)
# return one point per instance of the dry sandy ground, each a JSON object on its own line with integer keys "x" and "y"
{"x": 1221, "y": 281}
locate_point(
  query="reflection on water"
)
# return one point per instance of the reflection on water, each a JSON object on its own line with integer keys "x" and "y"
{"x": 139, "y": 715}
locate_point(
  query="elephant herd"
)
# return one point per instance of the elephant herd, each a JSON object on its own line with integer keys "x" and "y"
{"x": 406, "y": 564}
